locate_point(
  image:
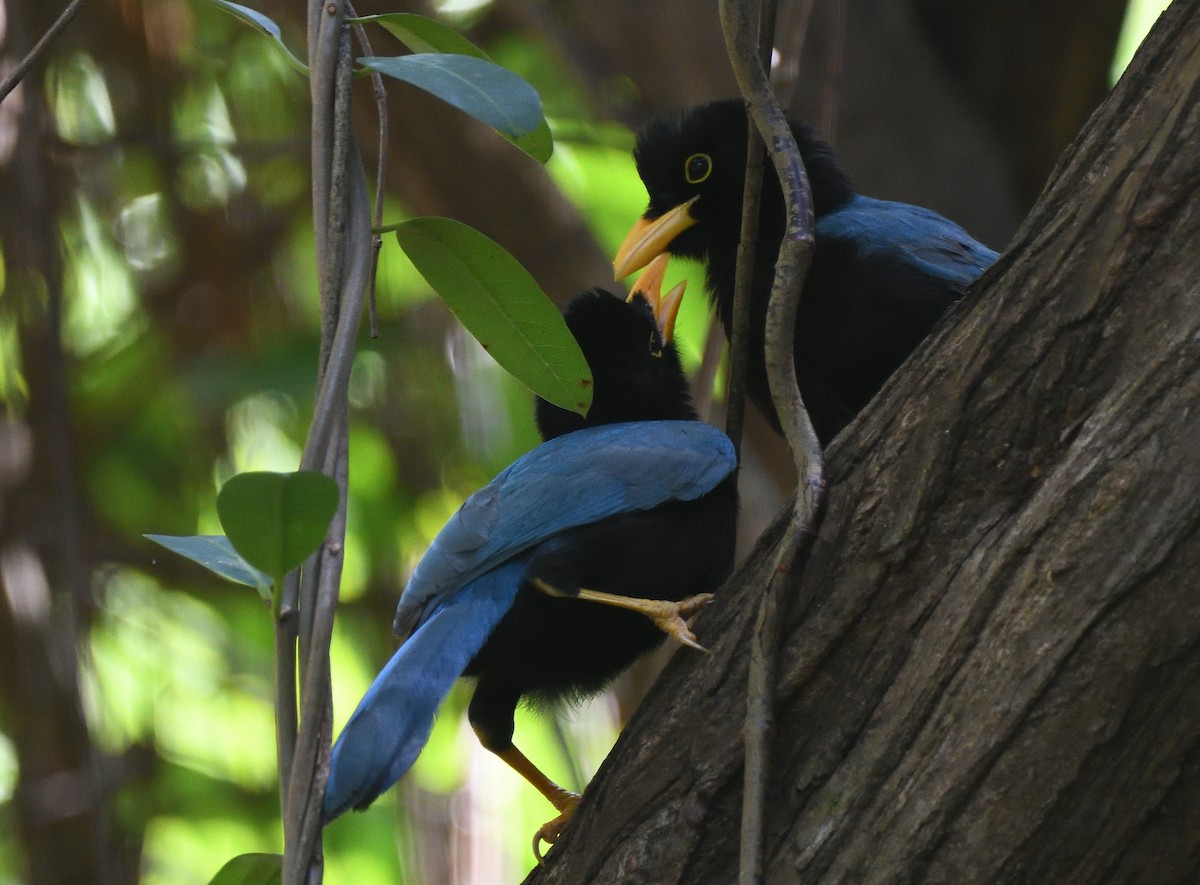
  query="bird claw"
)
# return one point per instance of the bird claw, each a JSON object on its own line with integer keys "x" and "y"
{"x": 671, "y": 619}
{"x": 552, "y": 829}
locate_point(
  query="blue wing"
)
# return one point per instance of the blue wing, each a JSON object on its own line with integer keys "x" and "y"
{"x": 470, "y": 575}
{"x": 391, "y": 724}
{"x": 573, "y": 480}
{"x": 912, "y": 235}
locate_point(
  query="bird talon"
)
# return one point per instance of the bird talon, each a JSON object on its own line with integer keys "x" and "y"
{"x": 689, "y": 639}
{"x": 693, "y": 604}
{"x": 552, "y": 829}
{"x": 672, "y": 615}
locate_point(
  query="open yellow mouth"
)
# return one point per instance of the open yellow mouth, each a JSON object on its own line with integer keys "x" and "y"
{"x": 665, "y": 307}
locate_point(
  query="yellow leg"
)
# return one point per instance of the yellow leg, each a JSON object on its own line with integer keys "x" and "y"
{"x": 667, "y": 616}
{"x": 563, "y": 800}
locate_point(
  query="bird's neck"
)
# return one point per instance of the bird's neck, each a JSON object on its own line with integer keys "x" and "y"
{"x": 631, "y": 405}
{"x": 831, "y": 187}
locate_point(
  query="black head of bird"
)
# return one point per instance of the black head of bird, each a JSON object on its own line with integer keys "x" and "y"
{"x": 882, "y": 272}
{"x": 629, "y": 346}
{"x": 693, "y": 165}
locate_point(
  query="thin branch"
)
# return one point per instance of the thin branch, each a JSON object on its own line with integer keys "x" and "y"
{"x": 286, "y": 722}
{"x": 735, "y": 415}
{"x": 739, "y": 331}
{"x": 795, "y": 255}
{"x": 342, "y": 232}
{"x": 22, "y": 68}
{"x": 380, "y": 170}
{"x": 310, "y": 770}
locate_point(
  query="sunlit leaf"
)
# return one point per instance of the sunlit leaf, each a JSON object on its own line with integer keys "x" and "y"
{"x": 266, "y": 25}
{"x": 251, "y": 869}
{"x": 422, "y": 34}
{"x": 275, "y": 520}
{"x": 502, "y": 306}
{"x": 539, "y": 143}
{"x": 216, "y": 554}
{"x": 476, "y": 86}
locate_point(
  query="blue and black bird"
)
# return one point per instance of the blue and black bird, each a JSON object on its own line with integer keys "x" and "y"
{"x": 882, "y": 273}
{"x": 572, "y": 562}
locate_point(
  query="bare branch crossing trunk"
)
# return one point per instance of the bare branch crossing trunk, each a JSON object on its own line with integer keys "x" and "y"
{"x": 991, "y": 669}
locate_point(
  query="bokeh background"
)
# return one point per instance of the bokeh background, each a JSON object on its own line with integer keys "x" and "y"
{"x": 158, "y": 333}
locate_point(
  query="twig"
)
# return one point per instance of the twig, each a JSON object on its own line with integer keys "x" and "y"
{"x": 286, "y": 722}
{"x": 341, "y": 221}
{"x": 380, "y": 170}
{"x": 795, "y": 255}
{"x": 735, "y": 415}
{"x": 739, "y": 331}
{"x": 22, "y": 68}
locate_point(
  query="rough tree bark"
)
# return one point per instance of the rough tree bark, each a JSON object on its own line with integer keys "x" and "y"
{"x": 991, "y": 669}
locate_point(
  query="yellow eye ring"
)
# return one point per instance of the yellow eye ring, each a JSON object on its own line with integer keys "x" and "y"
{"x": 697, "y": 168}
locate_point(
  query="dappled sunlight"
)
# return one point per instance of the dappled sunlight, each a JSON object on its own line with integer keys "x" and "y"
{"x": 260, "y": 432}
{"x": 479, "y": 391}
{"x": 144, "y": 232}
{"x": 79, "y": 96}
{"x": 210, "y": 173}
{"x": 101, "y": 295}
{"x": 193, "y": 848}
{"x": 165, "y": 669}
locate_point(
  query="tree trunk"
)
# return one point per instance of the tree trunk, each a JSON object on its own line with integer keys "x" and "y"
{"x": 60, "y": 804}
{"x": 991, "y": 662}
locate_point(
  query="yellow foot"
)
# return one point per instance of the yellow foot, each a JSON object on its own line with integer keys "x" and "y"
{"x": 551, "y": 830}
{"x": 671, "y": 618}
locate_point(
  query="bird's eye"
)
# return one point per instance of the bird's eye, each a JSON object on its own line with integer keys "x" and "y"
{"x": 697, "y": 168}
{"x": 656, "y": 350}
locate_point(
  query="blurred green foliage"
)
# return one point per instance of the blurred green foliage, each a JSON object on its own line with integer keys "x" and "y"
{"x": 191, "y": 361}
{"x": 178, "y": 665}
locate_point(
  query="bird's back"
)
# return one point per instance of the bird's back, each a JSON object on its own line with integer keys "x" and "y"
{"x": 912, "y": 236}
{"x": 882, "y": 275}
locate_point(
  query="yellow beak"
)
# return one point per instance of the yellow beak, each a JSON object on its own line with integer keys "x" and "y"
{"x": 665, "y": 307}
{"x": 650, "y": 237}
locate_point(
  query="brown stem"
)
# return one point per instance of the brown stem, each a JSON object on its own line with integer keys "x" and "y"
{"x": 795, "y": 254}
{"x": 22, "y": 68}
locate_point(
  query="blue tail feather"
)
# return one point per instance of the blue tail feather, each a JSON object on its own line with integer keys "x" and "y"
{"x": 389, "y": 728}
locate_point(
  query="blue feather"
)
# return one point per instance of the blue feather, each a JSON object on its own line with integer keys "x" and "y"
{"x": 472, "y": 571}
{"x": 392, "y": 722}
{"x": 572, "y": 480}
{"x": 913, "y": 235}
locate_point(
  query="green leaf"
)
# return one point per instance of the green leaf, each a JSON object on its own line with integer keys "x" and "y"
{"x": 501, "y": 305}
{"x": 251, "y": 869}
{"x": 539, "y": 143}
{"x": 260, "y": 22}
{"x": 275, "y": 520}
{"x": 423, "y": 34}
{"x": 216, "y": 554}
{"x": 476, "y": 86}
